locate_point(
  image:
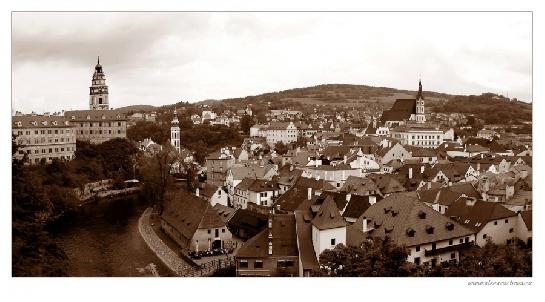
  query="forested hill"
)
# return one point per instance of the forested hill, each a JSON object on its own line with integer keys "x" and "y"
{"x": 340, "y": 94}
{"x": 492, "y": 108}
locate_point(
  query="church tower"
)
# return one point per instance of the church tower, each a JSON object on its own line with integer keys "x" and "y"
{"x": 98, "y": 95}
{"x": 420, "y": 113}
{"x": 175, "y": 132}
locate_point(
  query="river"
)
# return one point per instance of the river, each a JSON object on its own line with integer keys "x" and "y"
{"x": 102, "y": 239}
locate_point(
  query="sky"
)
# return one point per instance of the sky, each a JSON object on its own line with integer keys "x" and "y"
{"x": 163, "y": 58}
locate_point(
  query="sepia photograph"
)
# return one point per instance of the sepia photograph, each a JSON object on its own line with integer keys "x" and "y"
{"x": 317, "y": 144}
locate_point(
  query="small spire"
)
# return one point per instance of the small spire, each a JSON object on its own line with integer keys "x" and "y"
{"x": 419, "y": 94}
{"x": 98, "y": 59}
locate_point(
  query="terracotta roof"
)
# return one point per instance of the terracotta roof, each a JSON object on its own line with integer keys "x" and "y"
{"x": 40, "y": 121}
{"x": 338, "y": 198}
{"x": 527, "y": 218}
{"x": 187, "y": 213}
{"x": 328, "y": 216}
{"x": 408, "y": 221}
{"x": 296, "y": 198}
{"x": 400, "y": 111}
{"x": 95, "y": 115}
{"x": 252, "y": 222}
{"x": 359, "y": 185}
{"x": 307, "y": 256}
{"x": 284, "y": 240}
{"x": 357, "y": 206}
{"x": 387, "y": 183}
{"x": 475, "y": 215}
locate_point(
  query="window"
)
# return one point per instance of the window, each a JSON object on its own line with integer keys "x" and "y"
{"x": 209, "y": 231}
{"x": 511, "y": 230}
{"x": 495, "y": 223}
{"x": 467, "y": 239}
{"x": 333, "y": 241}
{"x": 417, "y": 260}
{"x": 223, "y": 230}
{"x": 243, "y": 264}
{"x": 289, "y": 263}
{"x": 417, "y": 248}
{"x": 506, "y": 220}
{"x": 450, "y": 242}
{"x": 461, "y": 240}
{"x": 433, "y": 246}
{"x": 484, "y": 236}
{"x": 257, "y": 264}
{"x": 452, "y": 255}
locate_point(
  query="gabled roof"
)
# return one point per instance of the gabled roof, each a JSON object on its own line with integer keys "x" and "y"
{"x": 475, "y": 215}
{"x": 400, "y": 111}
{"x": 338, "y": 198}
{"x": 359, "y": 185}
{"x": 251, "y": 221}
{"x": 328, "y": 216}
{"x": 296, "y": 198}
{"x": 357, "y": 206}
{"x": 284, "y": 240}
{"x": 187, "y": 213}
{"x": 307, "y": 256}
{"x": 408, "y": 221}
{"x": 527, "y": 219}
{"x": 387, "y": 183}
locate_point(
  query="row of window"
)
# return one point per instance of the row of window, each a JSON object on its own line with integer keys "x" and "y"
{"x": 100, "y": 124}
{"x": 36, "y": 132}
{"x": 98, "y": 132}
{"x": 259, "y": 264}
{"x": 45, "y": 150}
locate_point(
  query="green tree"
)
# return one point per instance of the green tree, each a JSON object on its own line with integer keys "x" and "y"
{"x": 375, "y": 257}
{"x": 280, "y": 148}
{"x": 246, "y": 122}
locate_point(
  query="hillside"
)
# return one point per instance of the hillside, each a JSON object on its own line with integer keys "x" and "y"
{"x": 492, "y": 108}
{"x": 137, "y": 108}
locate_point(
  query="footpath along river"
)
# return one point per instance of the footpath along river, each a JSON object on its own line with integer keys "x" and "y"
{"x": 102, "y": 239}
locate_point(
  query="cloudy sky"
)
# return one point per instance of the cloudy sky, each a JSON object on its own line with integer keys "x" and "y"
{"x": 162, "y": 58}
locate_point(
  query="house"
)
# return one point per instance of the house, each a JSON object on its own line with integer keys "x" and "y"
{"x": 254, "y": 171}
{"x": 284, "y": 132}
{"x": 336, "y": 175}
{"x": 524, "y": 227}
{"x": 430, "y": 237}
{"x": 357, "y": 205}
{"x": 397, "y": 151}
{"x": 213, "y": 194}
{"x": 246, "y": 224}
{"x": 488, "y": 220}
{"x": 257, "y": 191}
{"x": 218, "y": 163}
{"x": 362, "y": 186}
{"x": 194, "y": 223}
{"x": 328, "y": 227}
{"x": 272, "y": 252}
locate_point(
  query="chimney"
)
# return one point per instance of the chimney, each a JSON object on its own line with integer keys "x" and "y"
{"x": 421, "y": 169}
{"x": 410, "y": 173}
{"x": 478, "y": 166}
{"x": 372, "y": 199}
{"x": 470, "y": 202}
{"x": 197, "y": 192}
{"x": 309, "y": 195}
{"x": 348, "y": 196}
{"x": 364, "y": 225}
{"x": 429, "y": 185}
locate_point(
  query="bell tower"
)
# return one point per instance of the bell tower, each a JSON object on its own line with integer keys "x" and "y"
{"x": 175, "y": 132}
{"x": 98, "y": 94}
{"x": 420, "y": 113}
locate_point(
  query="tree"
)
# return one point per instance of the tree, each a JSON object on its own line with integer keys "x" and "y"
{"x": 491, "y": 260}
{"x": 280, "y": 148}
{"x": 246, "y": 122}
{"x": 375, "y": 257}
{"x": 143, "y": 130}
{"x": 156, "y": 174}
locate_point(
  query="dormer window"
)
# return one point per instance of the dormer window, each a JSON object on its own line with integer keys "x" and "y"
{"x": 103, "y": 117}
{"x": 410, "y": 232}
{"x": 449, "y": 226}
{"x": 73, "y": 117}
{"x": 34, "y": 123}
{"x": 55, "y": 123}
{"x": 421, "y": 214}
{"x": 19, "y": 124}
{"x": 44, "y": 123}
{"x": 88, "y": 117}
{"x": 429, "y": 229}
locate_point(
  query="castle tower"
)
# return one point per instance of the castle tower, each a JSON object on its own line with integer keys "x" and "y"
{"x": 175, "y": 132}
{"x": 98, "y": 95}
{"x": 420, "y": 113}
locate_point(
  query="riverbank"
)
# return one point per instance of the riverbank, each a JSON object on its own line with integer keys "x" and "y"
{"x": 170, "y": 258}
{"x": 175, "y": 263}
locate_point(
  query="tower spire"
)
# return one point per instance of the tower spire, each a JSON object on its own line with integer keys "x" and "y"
{"x": 98, "y": 59}
{"x": 419, "y": 94}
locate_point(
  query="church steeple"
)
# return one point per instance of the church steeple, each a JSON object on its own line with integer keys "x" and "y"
{"x": 419, "y": 94}
{"x": 98, "y": 92}
{"x": 420, "y": 112}
{"x": 175, "y": 132}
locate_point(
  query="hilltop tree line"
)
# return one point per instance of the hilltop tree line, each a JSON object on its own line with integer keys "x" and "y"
{"x": 492, "y": 108}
